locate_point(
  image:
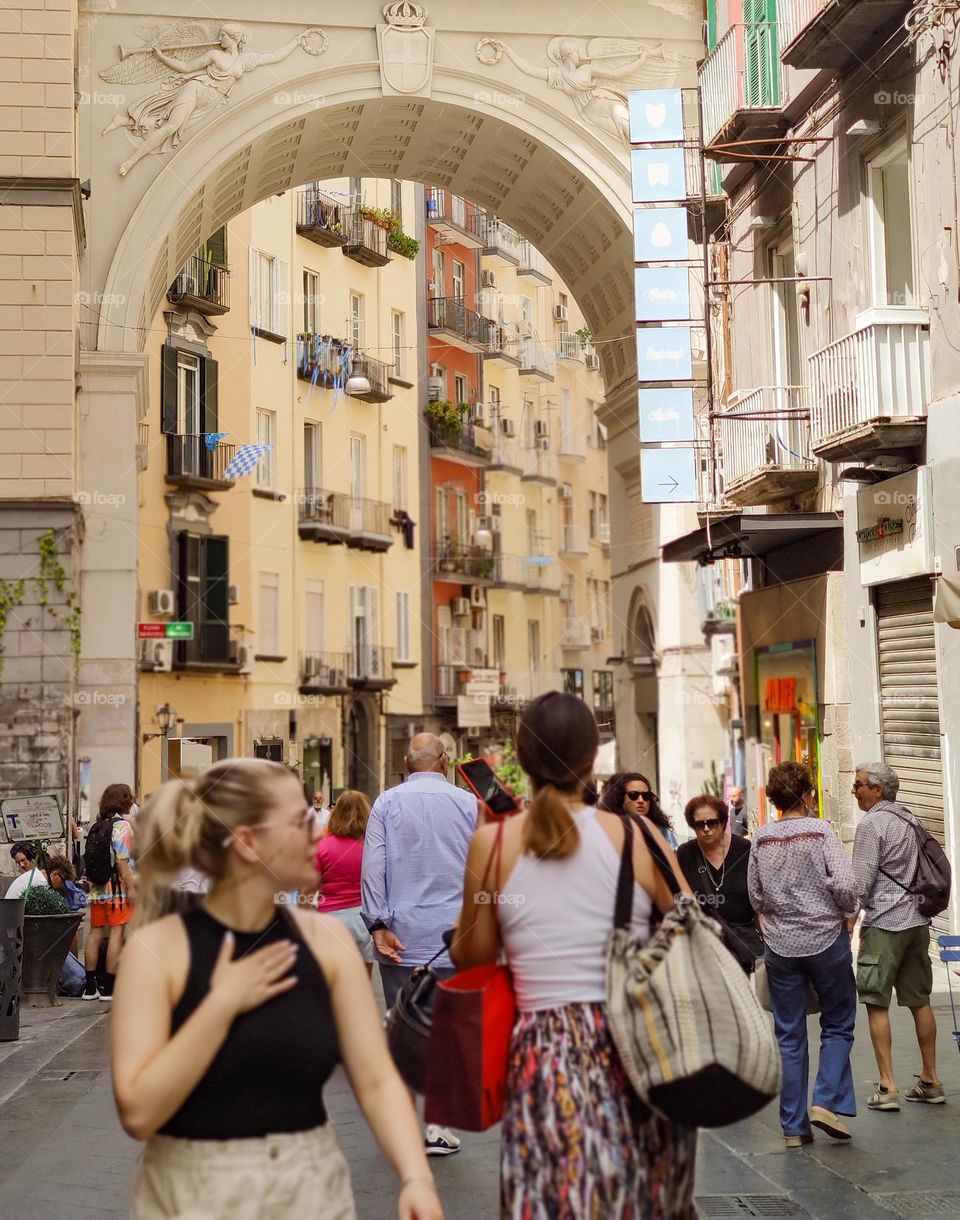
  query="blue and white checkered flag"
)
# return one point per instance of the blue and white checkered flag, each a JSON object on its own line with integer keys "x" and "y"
{"x": 212, "y": 439}
{"x": 245, "y": 460}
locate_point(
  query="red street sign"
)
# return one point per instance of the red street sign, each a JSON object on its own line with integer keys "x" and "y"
{"x": 151, "y": 631}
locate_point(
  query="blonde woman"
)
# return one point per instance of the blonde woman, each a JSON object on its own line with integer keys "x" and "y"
{"x": 229, "y": 1019}
{"x": 339, "y": 860}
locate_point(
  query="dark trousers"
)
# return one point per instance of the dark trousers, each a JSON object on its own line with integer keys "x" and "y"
{"x": 394, "y": 977}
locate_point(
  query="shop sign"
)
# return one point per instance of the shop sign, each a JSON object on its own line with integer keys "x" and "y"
{"x": 473, "y": 713}
{"x": 895, "y": 528}
{"x": 31, "y": 817}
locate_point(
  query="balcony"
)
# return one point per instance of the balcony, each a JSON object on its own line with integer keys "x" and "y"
{"x": 143, "y": 446}
{"x": 463, "y": 564}
{"x": 570, "y": 347}
{"x": 765, "y": 441}
{"x": 370, "y": 667}
{"x": 366, "y": 240}
{"x": 537, "y": 360}
{"x": 500, "y": 241}
{"x": 369, "y": 525}
{"x": 603, "y": 536}
{"x": 378, "y": 373}
{"x": 572, "y": 446}
{"x": 869, "y": 390}
{"x": 323, "y": 673}
{"x": 470, "y": 444}
{"x": 509, "y": 571}
{"x": 743, "y": 95}
{"x": 505, "y": 454}
{"x": 322, "y": 218}
{"x": 541, "y": 574}
{"x": 576, "y": 635}
{"x": 449, "y": 319}
{"x": 191, "y": 464}
{"x": 203, "y": 286}
{"x": 533, "y": 264}
{"x": 463, "y": 222}
{"x": 539, "y": 466}
{"x": 831, "y": 33}
{"x": 503, "y": 343}
{"x": 448, "y": 683}
{"x": 320, "y": 360}
{"x": 323, "y": 516}
{"x": 213, "y": 650}
{"x": 574, "y": 540}
{"x": 529, "y": 684}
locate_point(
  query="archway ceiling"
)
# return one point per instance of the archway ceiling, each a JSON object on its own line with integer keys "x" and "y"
{"x": 531, "y": 186}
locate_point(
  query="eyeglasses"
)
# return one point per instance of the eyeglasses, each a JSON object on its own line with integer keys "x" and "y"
{"x": 707, "y": 824}
{"x": 310, "y": 821}
{"x": 637, "y": 795}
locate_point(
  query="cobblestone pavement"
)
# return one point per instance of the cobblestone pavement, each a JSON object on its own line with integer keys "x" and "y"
{"x": 64, "y": 1155}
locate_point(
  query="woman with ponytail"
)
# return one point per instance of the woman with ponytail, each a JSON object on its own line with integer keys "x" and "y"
{"x": 576, "y": 1140}
{"x": 229, "y": 1018}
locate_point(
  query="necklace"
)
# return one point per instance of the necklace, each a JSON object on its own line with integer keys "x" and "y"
{"x": 717, "y": 885}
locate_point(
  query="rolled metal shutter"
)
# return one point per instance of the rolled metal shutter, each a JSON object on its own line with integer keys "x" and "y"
{"x": 909, "y": 697}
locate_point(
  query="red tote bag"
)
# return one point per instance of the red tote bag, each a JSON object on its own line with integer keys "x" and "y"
{"x": 473, "y": 1019}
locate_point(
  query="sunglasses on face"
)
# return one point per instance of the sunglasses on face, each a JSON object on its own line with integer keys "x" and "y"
{"x": 707, "y": 824}
{"x": 636, "y": 795}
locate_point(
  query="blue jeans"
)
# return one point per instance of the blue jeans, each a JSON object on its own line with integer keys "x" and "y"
{"x": 831, "y": 973}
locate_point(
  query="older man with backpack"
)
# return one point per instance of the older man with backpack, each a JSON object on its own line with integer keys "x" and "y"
{"x": 903, "y": 880}
{"x": 106, "y": 859}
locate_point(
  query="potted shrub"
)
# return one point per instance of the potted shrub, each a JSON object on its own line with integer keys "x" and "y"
{"x": 444, "y": 418}
{"x": 400, "y": 243}
{"x": 49, "y": 927}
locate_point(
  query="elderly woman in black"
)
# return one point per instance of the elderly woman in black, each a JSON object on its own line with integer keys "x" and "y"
{"x": 630, "y": 792}
{"x": 715, "y": 862}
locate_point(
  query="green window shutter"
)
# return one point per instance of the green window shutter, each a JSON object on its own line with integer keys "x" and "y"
{"x": 214, "y": 249}
{"x": 216, "y": 607}
{"x": 209, "y": 394}
{"x": 168, "y": 389}
{"x": 711, "y": 24}
{"x": 761, "y": 65}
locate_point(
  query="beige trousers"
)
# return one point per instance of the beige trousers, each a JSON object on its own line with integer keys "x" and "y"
{"x": 277, "y": 1177}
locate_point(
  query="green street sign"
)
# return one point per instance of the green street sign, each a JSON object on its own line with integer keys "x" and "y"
{"x": 179, "y": 631}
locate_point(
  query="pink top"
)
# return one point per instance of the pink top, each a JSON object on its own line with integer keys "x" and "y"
{"x": 338, "y": 862}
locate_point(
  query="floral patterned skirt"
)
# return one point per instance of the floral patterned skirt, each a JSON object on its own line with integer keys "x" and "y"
{"x": 577, "y": 1143}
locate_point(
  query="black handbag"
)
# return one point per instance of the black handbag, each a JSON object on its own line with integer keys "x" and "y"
{"x": 408, "y": 1026}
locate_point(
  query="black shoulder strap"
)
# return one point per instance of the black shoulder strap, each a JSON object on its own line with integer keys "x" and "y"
{"x": 623, "y": 909}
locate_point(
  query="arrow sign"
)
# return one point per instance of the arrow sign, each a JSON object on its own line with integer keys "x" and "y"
{"x": 671, "y": 486}
{"x": 668, "y": 476}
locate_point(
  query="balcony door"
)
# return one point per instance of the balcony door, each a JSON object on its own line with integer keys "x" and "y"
{"x": 311, "y": 458}
{"x": 314, "y": 616}
{"x": 786, "y": 439}
{"x": 889, "y": 218}
{"x": 364, "y": 630}
{"x": 761, "y": 64}
{"x": 358, "y": 479}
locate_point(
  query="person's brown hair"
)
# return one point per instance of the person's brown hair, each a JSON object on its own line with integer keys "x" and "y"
{"x": 61, "y": 865}
{"x": 557, "y": 742}
{"x": 787, "y": 784}
{"x": 116, "y": 800}
{"x": 348, "y": 818}
{"x": 713, "y": 802}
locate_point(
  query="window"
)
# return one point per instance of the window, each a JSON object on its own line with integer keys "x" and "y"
{"x": 499, "y": 642}
{"x": 403, "y": 625}
{"x": 592, "y": 514}
{"x": 437, "y": 276}
{"x": 526, "y": 312}
{"x": 533, "y": 645}
{"x": 460, "y": 388}
{"x": 311, "y": 302}
{"x": 593, "y": 595}
{"x": 399, "y": 476}
{"x": 602, "y": 523}
{"x": 366, "y": 658}
{"x": 398, "y": 329}
{"x": 463, "y": 517}
{"x": 891, "y": 227}
{"x": 203, "y": 566}
{"x": 566, "y": 421}
{"x": 443, "y": 516}
{"x": 356, "y": 189}
{"x": 314, "y": 616}
{"x": 459, "y": 286}
{"x": 268, "y": 643}
{"x": 188, "y": 394}
{"x": 312, "y": 467}
{"x": 358, "y": 478}
{"x": 532, "y": 538}
{"x": 269, "y": 293}
{"x": 494, "y": 392}
{"x": 188, "y": 408}
{"x": 266, "y": 435}
{"x": 572, "y": 682}
{"x": 356, "y": 321}
{"x": 602, "y": 688}
{"x": 396, "y": 198}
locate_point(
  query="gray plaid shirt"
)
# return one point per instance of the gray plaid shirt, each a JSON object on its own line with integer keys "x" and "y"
{"x": 885, "y": 841}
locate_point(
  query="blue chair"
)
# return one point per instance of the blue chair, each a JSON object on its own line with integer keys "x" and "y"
{"x": 950, "y": 952}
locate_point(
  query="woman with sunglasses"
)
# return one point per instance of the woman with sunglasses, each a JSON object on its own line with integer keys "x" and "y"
{"x": 630, "y": 792}
{"x": 229, "y": 1018}
{"x": 715, "y": 863}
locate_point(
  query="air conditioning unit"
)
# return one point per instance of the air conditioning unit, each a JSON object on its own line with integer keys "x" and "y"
{"x": 435, "y": 387}
{"x": 559, "y": 313}
{"x": 460, "y": 607}
{"x": 432, "y": 288}
{"x": 507, "y": 428}
{"x": 161, "y": 601}
{"x": 156, "y": 655}
{"x": 540, "y": 428}
{"x": 483, "y": 523}
{"x": 233, "y": 595}
{"x": 596, "y": 634}
{"x": 478, "y": 597}
{"x": 566, "y": 491}
{"x": 338, "y": 678}
{"x": 245, "y": 657}
{"x": 592, "y": 361}
{"x": 183, "y": 285}
{"x": 488, "y": 279}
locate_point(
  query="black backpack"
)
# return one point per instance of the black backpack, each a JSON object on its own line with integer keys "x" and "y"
{"x": 933, "y": 879}
{"x": 98, "y": 859}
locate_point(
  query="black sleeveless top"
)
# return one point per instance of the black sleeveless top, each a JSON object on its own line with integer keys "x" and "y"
{"x": 268, "y": 1075}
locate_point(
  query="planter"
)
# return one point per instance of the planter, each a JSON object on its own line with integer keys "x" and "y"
{"x": 46, "y": 942}
{"x": 11, "y": 967}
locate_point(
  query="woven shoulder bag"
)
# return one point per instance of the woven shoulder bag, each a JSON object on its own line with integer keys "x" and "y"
{"x": 694, "y": 1041}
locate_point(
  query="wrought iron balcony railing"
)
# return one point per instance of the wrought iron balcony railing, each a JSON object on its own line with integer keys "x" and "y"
{"x": 202, "y": 285}
{"x": 451, "y": 314}
{"x": 189, "y": 459}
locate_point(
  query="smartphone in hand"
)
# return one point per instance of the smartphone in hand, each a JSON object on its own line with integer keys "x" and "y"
{"x": 480, "y": 778}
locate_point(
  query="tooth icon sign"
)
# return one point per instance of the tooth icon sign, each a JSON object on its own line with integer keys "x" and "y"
{"x": 658, "y": 173}
{"x": 660, "y": 236}
{"x": 656, "y": 114}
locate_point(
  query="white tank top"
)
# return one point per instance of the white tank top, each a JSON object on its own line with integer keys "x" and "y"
{"x": 555, "y": 917}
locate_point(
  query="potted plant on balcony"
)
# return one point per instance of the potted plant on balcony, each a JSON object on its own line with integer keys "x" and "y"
{"x": 400, "y": 243}
{"x": 443, "y": 417}
{"x": 448, "y": 554}
{"x": 383, "y": 218}
{"x": 49, "y": 927}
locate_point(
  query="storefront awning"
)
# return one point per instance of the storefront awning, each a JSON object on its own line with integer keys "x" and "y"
{"x": 755, "y": 535}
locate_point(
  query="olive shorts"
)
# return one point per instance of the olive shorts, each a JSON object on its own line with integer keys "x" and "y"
{"x": 899, "y": 961}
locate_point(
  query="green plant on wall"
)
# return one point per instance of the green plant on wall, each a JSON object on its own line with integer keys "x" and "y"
{"x": 50, "y": 572}
{"x": 444, "y": 416}
{"x": 713, "y": 786}
{"x": 584, "y": 334}
{"x": 401, "y": 243}
{"x": 510, "y": 773}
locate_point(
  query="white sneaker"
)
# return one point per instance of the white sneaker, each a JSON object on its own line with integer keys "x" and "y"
{"x": 440, "y": 1141}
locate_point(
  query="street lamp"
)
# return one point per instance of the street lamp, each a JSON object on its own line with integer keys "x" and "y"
{"x": 357, "y": 382}
{"x": 165, "y": 716}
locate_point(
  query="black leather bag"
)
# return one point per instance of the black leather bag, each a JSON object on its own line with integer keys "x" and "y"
{"x": 408, "y": 1026}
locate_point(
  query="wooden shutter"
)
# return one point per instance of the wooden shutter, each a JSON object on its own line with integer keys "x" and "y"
{"x": 216, "y": 247}
{"x": 209, "y": 395}
{"x": 253, "y": 286}
{"x": 403, "y": 625}
{"x": 168, "y": 388}
{"x": 281, "y": 306}
{"x": 215, "y": 571}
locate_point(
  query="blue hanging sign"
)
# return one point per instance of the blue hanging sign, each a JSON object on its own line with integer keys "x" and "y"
{"x": 660, "y": 235}
{"x": 662, "y": 294}
{"x": 656, "y": 116}
{"x": 658, "y": 175}
{"x": 666, "y": 415}
{"x": 664, "y": 353}
{"x": 668, "y": 476}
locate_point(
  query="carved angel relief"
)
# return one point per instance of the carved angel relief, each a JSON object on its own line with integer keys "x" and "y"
{"x": 196, "y": 65}
{"x": 585, "y": 68}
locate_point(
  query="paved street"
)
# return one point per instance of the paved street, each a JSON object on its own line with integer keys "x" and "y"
{"x": 65, "y": 1155}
